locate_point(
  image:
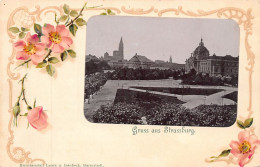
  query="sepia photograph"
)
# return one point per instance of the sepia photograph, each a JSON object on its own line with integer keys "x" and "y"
{"x": 161, "y": 71}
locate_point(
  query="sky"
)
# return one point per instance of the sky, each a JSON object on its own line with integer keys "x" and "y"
{"x": 159, "y": 38}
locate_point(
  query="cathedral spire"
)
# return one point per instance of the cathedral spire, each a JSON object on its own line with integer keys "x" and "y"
{"x": 121, "y": 40}
{"x": 121, "y": 43}
{"x": 121, "y": 48}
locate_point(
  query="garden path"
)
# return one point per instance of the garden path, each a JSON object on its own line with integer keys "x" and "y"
{"x": 107, "y": 94}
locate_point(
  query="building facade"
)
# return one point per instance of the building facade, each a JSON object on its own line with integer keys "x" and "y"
{"x": 138, "y": 61}
{"x": 202, "y": 62}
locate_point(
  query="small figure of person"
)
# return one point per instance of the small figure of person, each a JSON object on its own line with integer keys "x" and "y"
{"x": 143, "y": 120}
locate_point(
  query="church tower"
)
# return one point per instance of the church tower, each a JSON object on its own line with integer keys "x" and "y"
{"x": 121, "y": 49}
{"x": 170, "y": 59}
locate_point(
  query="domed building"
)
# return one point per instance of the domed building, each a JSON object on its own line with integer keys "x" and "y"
{"x": 201, "y": 51}
{"x": 202, "y": 62}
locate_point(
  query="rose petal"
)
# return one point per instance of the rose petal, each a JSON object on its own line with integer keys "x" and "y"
{"x": 33, "y": 114}
{"x": 41, "y": 123}
{"x": 253, "y": 139}
{"x": 46, "y": 41}
{"x": 242, "y": 136}
{"x": 28, "y": 35}
{"x": 251, "y": 153}
{"x": 33, "y": 126}
{"x": 57, "y": 48}
{"x": 36, "y": 59}
{"x": 37, "y": 118}
{"x": 242, "y": 160}
{"x": 22, "y": 55}
{"x": 235, "y": 150}
{"x": 34, "y": 39}
{"x": 19, "y": 45}
{"x": 62, "y": 31}
{"x": 66, "y": 42}
{"x": 47, "y": 29}
{"x": 40, "y": 49}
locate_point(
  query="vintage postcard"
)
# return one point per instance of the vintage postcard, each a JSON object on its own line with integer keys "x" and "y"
{"x": 130, "y": 83}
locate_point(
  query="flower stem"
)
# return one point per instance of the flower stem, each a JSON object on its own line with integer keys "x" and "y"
{"x": 22, "y": 91}
{"x": 72, "y": 20}
{"x": 67, "y": 20}
{"x": 57, "y": 22}
{"x": 26, "y": 62}
{"x": 48, "y": 55}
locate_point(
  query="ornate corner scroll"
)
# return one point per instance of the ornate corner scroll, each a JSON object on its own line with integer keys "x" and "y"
{"x": 23, "y": 17}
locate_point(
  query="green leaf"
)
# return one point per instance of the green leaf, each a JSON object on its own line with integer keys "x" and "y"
{"x": 63, "y": 18}
{"x": 66, "y": 9}
{"x": 29, "y": 107}
{"x": 73, "y": 29}
{"x": 112, "y": 13}
{"x": 72, "y": 53}
{"x": 50, "y": 69}
{"x": 224, "y": 153}
{"x": 103, "y": 13}
{"x": 213, "y": 157}
{"x": 34, "y": 104}
{"x": 81, "y": 22}
{"x": 14, "y": 29}
{"x": 63, "y": 56}
{"x": 16, "y": 110}
{"x": 240, "y": 124}
{"x": 73, "y": 13}
{"x": 38, "y": 29}
{"x": 42, "y": 64}
{"x": 25, "y": 29}
{"x": 28, "y": 125}
{"x": 25, "y": 115}
{"x": 109, "y": 11}
{"x": 22, "y": 35}
{"x": 248, "y": 122}
{"x": 53, "y": 60}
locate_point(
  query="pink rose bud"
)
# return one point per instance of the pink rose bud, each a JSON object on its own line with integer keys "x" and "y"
{"x": 37, "y": 118}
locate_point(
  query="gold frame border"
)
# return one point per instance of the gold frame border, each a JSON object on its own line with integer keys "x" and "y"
{"x": 243, "y": 17}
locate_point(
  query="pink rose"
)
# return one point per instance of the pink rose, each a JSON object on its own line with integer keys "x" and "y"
{"x": 30, "y": 48}
{"x": 244, "y": 148}
{"x": 37, "y": 118}
{"x": 56, "y": 38}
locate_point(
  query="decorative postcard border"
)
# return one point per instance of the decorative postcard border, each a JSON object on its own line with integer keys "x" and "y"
{"x": 243, "y": 17}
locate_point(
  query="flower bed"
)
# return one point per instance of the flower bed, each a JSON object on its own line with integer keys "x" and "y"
{"x": 231, "y": 96}
{"x": 182, "y": 91}
{"x": 147, "y": 99}
{"x": 93, "y": 83}
{"x": 130, "y": 107}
